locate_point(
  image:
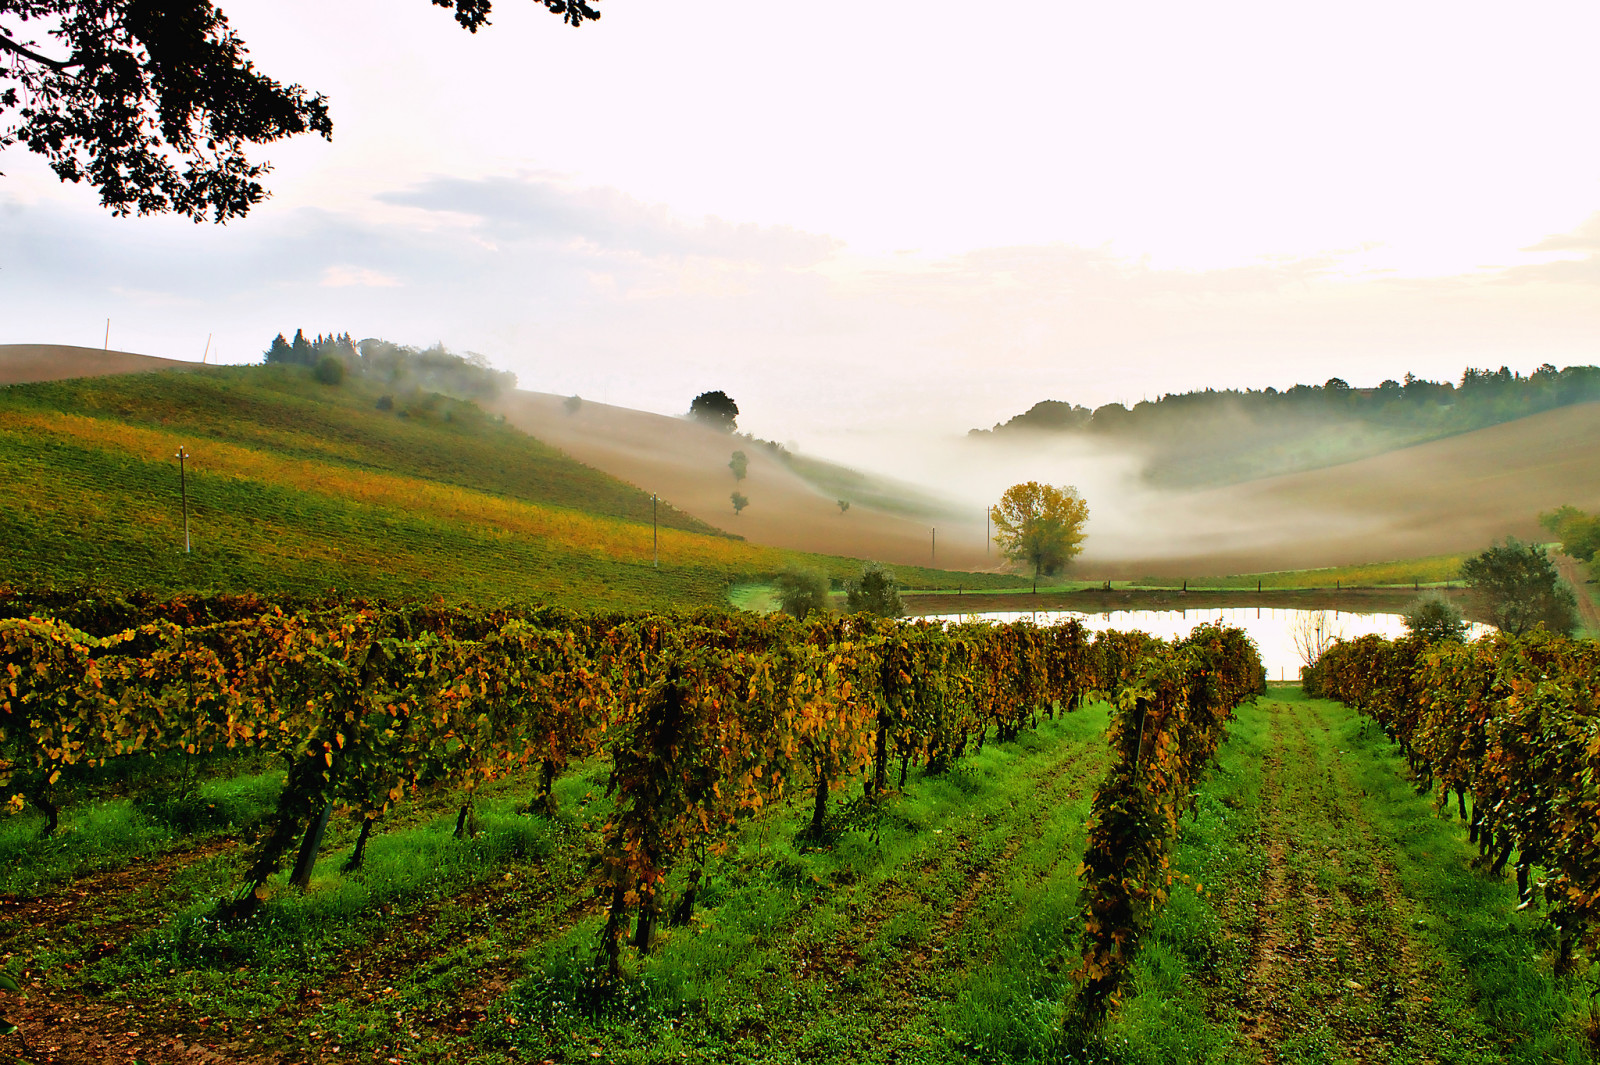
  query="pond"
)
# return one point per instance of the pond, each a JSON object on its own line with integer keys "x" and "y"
{"x": 1273, "y": 630}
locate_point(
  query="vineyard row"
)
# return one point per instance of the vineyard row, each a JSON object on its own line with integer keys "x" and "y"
{"x": 1509, "y": 724}
{"x": 705, "y": 720}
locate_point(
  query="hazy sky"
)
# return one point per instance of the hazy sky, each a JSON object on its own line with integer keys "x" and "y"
{"x": 901, "y": 213}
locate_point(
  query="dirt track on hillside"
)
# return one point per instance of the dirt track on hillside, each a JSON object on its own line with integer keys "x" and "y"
{"x": 1575, "y": 573}
{"x": 688, "y": 464}
{"x": 21, "y": 363}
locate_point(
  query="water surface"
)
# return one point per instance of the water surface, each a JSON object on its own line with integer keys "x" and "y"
{"x": 1272, "y": 629}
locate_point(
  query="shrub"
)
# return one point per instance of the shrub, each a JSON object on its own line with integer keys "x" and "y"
{"x": 1435, "y": 618}
{"x": 875, "y": 593}
{"x": 330, "y": 371}
{"x": 802, "y": 592}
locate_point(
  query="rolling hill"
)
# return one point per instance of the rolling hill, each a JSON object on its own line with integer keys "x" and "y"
{"x": 600, "y": 464}
{"x": 793, "y": 502}
{"x": 299, "y": 486}
{"x": 1443, "y": 497}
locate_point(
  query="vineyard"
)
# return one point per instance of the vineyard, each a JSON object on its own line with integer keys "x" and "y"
{"x": 276, "y": 830}
{"x": 1508, "y": 725}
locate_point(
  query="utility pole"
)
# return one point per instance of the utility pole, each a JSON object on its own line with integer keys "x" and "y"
{"x": 987, "y": 536}
{"x": 207, "y": 353}
{"x": 655, "y": 536}
{"x": 933, "y": 547}
{"x": 108, "y": 335}
{"x": 183, "y": 489}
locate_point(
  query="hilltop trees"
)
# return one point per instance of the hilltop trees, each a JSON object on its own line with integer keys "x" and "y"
{"x": 1040, "y": 525}
{"x": 154, "y": 104}
{"x": 412, "y": 371}
{"x": 716, "y": 410}
{"x": 1520, "y": 589}
{"x": 303, "y": 352}
{"x": 1482, "y": 397}
{"x": 1219, "y": 436}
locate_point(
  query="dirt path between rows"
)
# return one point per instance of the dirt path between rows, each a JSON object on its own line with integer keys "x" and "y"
{"x": 943, "y": 893}
{"x": 33, "y": 915}
{"x": 1334, "y": 972}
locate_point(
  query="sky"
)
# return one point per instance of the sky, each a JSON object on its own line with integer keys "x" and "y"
{"x": 886, "y": 219}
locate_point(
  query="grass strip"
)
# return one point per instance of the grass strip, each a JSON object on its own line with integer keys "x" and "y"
{"x": 1340, "y": 921}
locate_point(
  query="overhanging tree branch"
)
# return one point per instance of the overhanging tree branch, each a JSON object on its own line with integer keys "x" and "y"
{"x": 9, "y": 45}
{"x": 158, "y": 100}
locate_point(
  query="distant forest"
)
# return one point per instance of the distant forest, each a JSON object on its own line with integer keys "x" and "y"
{"x": 1215, "y": 436}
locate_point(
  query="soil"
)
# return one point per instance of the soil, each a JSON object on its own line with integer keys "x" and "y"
{"x": 1576, "y": 574}
{"x": 21, "y": 363}
{"x": 688, "y": 463}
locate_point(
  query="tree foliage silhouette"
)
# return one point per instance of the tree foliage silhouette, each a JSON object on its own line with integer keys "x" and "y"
{"x": 716, "y": 410}
{"x": 153, "y": 102}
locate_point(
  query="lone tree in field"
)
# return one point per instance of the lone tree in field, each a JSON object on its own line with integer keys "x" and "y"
{"x": 739, "y": 501}
{"x": 716, "y": 410}
{"x": 803, "y": 591}
{"x": 875, "y": 593}
{"x": 153, "y": 104}
{"x": 1520, "y": 589}
{"x": 739, "y": 464}
{"x": 1040, "y": 525}
{"x": 844, "y": 505}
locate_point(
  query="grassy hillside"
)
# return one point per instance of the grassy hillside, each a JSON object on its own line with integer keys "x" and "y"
{"x": 282, "y": 410}
{"x": 302, "y": 487}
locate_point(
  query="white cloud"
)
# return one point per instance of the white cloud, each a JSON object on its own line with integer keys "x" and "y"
{"x": 593, "y": 291}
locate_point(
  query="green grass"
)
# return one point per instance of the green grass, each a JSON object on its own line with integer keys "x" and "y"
{"x": 298, "y": 487}
{"x": 1338, "y": 921}
{"x": 1380, "y": 942}
{"x": 482, "y": 946}
{"x": 1432, "y": 572}
{"x": 282, "y": 409}
{"x": 860, "y": 951}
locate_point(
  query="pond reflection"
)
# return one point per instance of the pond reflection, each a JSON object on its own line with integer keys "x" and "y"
{"x": 1274, "y": 630}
